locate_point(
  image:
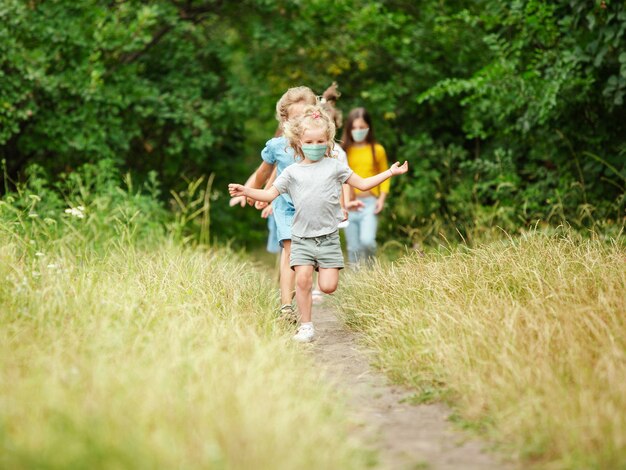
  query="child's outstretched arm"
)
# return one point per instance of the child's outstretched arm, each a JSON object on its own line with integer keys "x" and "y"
{"x": 266, "y": 195}
{"x": 242, "y": 200}
{"x": 365, "y": 184}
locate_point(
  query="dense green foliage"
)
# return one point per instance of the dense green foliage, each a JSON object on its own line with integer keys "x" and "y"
{"x": 92, "y": 208}
{"x": 508, "y": 111}
{"x": 144, "y": 87}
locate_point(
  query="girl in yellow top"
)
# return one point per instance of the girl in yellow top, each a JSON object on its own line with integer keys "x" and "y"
{"x": 366, "y": 158}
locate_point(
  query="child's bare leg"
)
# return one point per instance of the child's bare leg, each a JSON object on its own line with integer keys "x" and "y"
{"x": 318, "y": 295}
{"x": 287, "y": 276}
{"x": 304, "y": 282}
{"x": 328, "y": 279}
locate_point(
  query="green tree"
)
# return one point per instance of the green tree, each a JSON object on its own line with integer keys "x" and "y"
{"x": 508, "y": 112}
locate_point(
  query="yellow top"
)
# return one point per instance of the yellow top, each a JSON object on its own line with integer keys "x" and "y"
{"x": 362, "y": 162}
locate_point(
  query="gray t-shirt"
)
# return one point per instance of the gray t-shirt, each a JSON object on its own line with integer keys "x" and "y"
{"x": 315, "y": 190}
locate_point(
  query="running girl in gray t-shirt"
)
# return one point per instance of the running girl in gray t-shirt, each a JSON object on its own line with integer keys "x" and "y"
{"x": 314, "y": 185}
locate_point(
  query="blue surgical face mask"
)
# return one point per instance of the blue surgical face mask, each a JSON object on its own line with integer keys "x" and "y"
{"x": 314, "y": 152}
{"x": 359, "y": 135}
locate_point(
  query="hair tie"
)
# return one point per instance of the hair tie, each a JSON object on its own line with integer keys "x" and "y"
{"x": 316, "y": 115}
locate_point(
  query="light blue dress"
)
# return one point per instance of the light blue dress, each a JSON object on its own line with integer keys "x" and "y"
{"x": 278, "y": 152}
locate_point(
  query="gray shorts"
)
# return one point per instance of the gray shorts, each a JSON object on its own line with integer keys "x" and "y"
{"x": 320, "y": 252}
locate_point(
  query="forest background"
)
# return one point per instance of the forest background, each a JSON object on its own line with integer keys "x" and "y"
{"x": 509, "y": 112}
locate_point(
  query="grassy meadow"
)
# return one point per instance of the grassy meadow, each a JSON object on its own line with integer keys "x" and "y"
{"x": 168, "y": 358}
{"x": 525, "y": 337}
{"x": 120, "y": 347}
{"x": 124, "y": 344}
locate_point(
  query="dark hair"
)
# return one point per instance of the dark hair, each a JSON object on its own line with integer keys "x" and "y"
{"x": 329, "y": 103}
{"x": 346, "y": 138}
{"x": 332, "y": 93}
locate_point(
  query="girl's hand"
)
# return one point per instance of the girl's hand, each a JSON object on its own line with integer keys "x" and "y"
{"x": 345, "y": 214}
{"x": 260, "y": 205}
{"x": 265, "y": 213}
{"x": 396, "y": 169}
{"x": 237, "y": 200}
{"x": 380, "y": 205}
{"x": 236, "y": 190}
{"x": 355, "y": 205}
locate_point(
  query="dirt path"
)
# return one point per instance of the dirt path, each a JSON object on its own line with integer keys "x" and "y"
{"x": 405, "y": 436}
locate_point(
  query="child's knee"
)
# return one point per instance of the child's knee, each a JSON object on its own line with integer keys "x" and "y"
{"x": 328, "y": 288}
{"x": 304, "y": 282}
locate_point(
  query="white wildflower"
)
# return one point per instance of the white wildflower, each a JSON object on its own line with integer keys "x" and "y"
{"x": 76, "y": 212}
{"x": 33, "y": 215}
{"x": 52, "y": 266}
{"x": 39, "y": 254}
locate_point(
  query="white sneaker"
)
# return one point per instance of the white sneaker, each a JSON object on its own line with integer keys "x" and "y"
{"x": 305, "y": 333}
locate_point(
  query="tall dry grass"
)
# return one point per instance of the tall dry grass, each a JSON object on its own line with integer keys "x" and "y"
{"x": 526, "y": 337}
{"x": 156, "y": 358}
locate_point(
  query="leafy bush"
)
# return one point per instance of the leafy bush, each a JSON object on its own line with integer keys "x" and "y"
{"x": 92, "y": 207}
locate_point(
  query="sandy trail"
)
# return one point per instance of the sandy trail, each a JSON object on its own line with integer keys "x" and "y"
{"x": 406, "y": 436}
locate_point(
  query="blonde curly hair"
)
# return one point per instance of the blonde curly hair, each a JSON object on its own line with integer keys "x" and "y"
{"x": 313, "y": 117}
{"x": 299, "y": 94}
